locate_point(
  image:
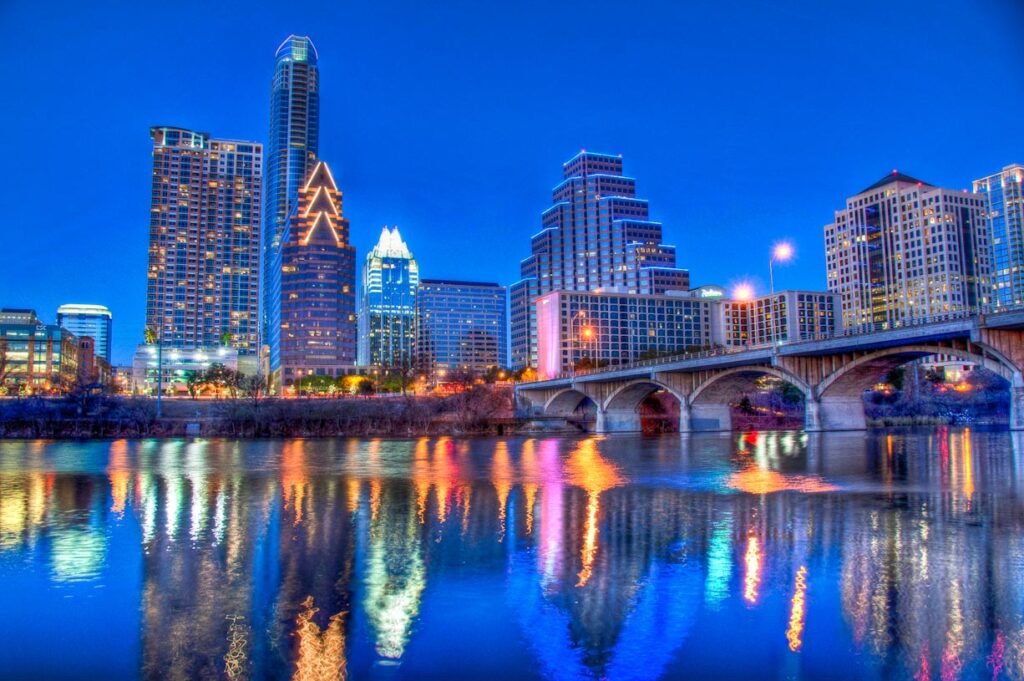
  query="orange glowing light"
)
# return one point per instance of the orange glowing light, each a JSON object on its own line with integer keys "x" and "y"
{"x": 752, "y": 568}
{"x": 782, "y": 251}
{"x": 586, "y": 468}
{"x": 758, "y": 481}
{"x": 321, "y": 653}
{"x": 743, "y": 292}
{"x": 588, "y": 333}
{"x": 797, "y": 610}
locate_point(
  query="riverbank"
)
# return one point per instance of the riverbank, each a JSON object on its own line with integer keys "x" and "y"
{"x": 482, "y": 410}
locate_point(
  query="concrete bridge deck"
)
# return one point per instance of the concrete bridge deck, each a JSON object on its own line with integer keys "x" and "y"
{"x": 832, "y": 373}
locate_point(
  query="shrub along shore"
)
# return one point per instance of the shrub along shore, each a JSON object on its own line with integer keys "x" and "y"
{"x": 479, "y": 410}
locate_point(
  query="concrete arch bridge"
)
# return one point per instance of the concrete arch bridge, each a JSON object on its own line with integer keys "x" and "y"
{"x": 832, "y": 374}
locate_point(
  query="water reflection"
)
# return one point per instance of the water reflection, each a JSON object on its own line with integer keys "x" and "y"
{"x": 892, "y": 555}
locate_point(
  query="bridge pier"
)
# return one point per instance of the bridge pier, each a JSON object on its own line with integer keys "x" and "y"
{"x": 618, "y": 421}
{"x": 710, "y": 417}
{"x": 1016, "y": 408}
{"x": 838, "y": 413}
{"x": 812, "y": 415}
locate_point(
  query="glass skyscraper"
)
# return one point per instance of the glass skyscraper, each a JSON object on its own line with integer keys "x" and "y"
{"x": 387, "y": 316}
{"x": 595, "y": 236}
{"x": 94, "y": 321}
{"x": 204, "y": 247}
{"x": 461, "y": 326}
{"x": 1005, "y": 192}
{"x": 313, "y": 288}
{"x": 293, "y": 145}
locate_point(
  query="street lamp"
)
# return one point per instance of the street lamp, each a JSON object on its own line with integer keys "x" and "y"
{"x": 781, "y": 252}
{"x": 578, "y": 318}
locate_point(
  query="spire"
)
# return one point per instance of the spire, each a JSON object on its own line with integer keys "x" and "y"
{"x": 390, "y": 245}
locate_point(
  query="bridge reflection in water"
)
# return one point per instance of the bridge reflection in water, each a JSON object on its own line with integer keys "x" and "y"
{"x": 825, "y": 555}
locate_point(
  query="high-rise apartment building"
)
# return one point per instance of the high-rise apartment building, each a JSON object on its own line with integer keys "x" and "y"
{"x": 293, "y": 145}
{"x": 94, "y": 321}
{"x": 596, "y": 236}
{"x": 204, "y": 240}
{"x": 904, "y": 251}
{"x": 1005, "y": 193}
{"x": 387, "y": 316}
{"x": 313, "y": 288}
{"x": 461, "y": 326}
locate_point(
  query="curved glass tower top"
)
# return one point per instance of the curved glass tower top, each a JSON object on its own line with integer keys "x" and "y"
{"x": 297, "y": 48}
{"x": 293, "y": 146}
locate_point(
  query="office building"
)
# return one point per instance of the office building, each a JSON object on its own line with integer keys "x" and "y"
{"x": 596, "y": 235}
{"x": 461, "y": 326}
{"x": 1005, "y": 193}
{"x": 313, "y": 316}
{"x": 903, "y": 251}
{"x": 204, "y": 241}
{"x": 387, "y": 315}
{"x": 94, "y": 321}
{"x": 293, "y": 144}
{"x": 37, "y": 358}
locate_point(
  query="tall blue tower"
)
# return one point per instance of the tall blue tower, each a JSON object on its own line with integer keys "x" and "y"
{"x": 292, "y": 148}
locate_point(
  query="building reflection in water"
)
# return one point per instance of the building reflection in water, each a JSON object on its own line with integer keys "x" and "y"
{"x": 898, "y": 554}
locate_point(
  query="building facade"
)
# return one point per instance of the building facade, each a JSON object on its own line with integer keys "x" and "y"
{"x": 904, "y": 251}
{"x": 783, "y": 317}
{"x": 35, "y": 357}
{"x": 93, "y": 370}
{"x": 1005, "y": 194}
{"x": 387, "y": 315}
{"x": 176, "y": 366}
{"x": 461, "y": 326}
{"x": 293, "y": 145}
{"x": 94, "y": 321}
{"x": 608, "y": 328}
{"x": 313, "y": 316}
{"x": 596, "y": 235}
{"x": 204, "y": 241}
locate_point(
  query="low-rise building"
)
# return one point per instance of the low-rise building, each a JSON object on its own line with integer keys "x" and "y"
{"x": 176, "y": 365}
{"x": 35, "y": 357}
{"x": 609, "y": 328}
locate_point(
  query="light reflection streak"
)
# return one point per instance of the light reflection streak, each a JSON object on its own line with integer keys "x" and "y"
{"x": 586, "y": 468}
{"x": 321, "y": 654}
{"x": 119, "y": 475}
{"x": 752, "y": 568}
{"x": 797, "y": 610}
{"x": 502, "y": 476}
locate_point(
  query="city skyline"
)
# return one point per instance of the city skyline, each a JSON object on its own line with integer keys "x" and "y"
{"x": 391, "y": 163}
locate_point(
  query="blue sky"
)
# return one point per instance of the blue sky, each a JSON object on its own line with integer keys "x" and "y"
{"x": 743, "y": 122}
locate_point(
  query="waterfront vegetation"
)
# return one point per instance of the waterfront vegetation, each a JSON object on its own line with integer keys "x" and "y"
{"x": 97, "y": 416}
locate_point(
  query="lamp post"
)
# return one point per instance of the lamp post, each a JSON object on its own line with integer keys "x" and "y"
{"x": 781, "y": 252}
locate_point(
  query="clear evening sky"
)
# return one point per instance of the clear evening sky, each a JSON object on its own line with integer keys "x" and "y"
{"x": 744, "y": 122}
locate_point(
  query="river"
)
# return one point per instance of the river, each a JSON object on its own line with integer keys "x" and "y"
{"x": 887, "y": 555}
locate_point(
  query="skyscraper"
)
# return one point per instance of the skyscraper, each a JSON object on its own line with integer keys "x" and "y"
{"x": 387, "y": 316}
{"x": 903, "y": 251}
{"x": 461, "y": 326}
{"x": 1005, "y": 192}
{"x": 294, "y": 141}
{"x": 596, "y": 235}
{"x": 204, "y": 247}
{"x": 313, "y": 288}
{"x": 94, "y": 321}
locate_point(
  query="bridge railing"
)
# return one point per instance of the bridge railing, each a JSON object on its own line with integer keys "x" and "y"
{"x": 731, "y": 350}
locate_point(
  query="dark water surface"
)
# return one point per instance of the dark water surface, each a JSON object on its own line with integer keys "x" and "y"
{"x": 764, "y": 555}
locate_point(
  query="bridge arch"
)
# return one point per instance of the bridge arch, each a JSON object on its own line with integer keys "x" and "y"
{"x": 839, "y": 403}
{"x": 711, "y": 401}
{"x": 620, "y": 411}
{"x": 567, "y": 402}
{"x": 852, "y": 379}
{"x": 724, "y": 385}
